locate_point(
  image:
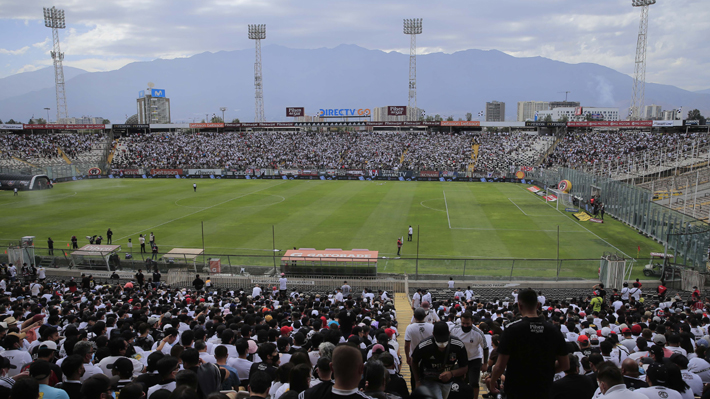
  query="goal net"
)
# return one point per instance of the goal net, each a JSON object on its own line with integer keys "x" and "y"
{"x": 564, "y": 200}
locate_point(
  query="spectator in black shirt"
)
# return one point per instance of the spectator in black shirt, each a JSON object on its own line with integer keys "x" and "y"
{"x": 259, "y": 384}
{"x": 531, "y": 351}
{"x": 439, "y": 359}
{"x": 140, "y": 277}
{"x": 347, "y": 371}
{"x": 630, "y": 371}
{"x": 572, "y": 385}
{"x": 346, "y": 318}
{"x": 198, "y": 283}
{"x": 269, "y": 361}
{"x": 73, "y": 369}
{"x": 156, "y": 278}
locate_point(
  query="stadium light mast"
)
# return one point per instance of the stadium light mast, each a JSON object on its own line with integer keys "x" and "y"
{"x": 412, "y": 27}
{"x": 257, "y": 33}
{"x": 54, "y": 18}
{"x": 639, "y": 92}
{"x": 223, "y": 109}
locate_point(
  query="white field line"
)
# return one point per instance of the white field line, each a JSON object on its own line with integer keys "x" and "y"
{"x": 447, "y": 209}
{"x": 196, "y": 212}
{"x": 534, "y": 216}
{"x": 516, "y": 205}
{"x": 589, "y": 231}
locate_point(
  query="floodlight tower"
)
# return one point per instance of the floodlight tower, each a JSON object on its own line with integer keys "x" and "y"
{"x": 412, "y": 27}
{"x": 54, "y": 18}
{"x": 637, "y": 99}
{"x": 257, "y": 33}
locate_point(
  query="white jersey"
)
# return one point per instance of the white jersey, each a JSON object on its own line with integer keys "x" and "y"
{"x": 701, "y": 368}
{"x": 255, "y": 292}
{"x": 694, "y": 381}
{"x": 282, "y": 283}
{"x": 416, "y": 333}
{"x": 451, "y": 284}
{"x": 431, "y": 317}
{"x": 473, "y": 340}
{"x": 416, "y": 300}
{"x": 17, "y": 358}
{"x": 660, "y": 392}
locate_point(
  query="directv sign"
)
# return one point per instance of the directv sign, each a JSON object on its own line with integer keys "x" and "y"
{"x": 343, "y": 112}
{"x": 157, "y": 93}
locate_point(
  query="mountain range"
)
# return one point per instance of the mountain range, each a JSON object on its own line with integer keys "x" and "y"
{"x": 346, "y": 76}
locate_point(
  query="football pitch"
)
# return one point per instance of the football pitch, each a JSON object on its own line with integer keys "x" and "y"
{"x": 494, "y": 226}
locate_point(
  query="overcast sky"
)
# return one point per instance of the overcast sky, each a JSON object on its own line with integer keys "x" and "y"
{"x": 106, "y": 34}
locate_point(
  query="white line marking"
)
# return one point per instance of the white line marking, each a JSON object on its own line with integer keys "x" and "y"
{"x": 590, "y": 232}
{"x": 534, "y": 216}
{"x": 433, "y": 209}
{"x": 485, "y": 229}
{"x": 447, "y": 208}
{"x": 516, "y": 205}
{"x": 201, "y": 210}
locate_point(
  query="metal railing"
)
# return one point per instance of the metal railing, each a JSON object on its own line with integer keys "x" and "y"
{"x": 271, "y": 265}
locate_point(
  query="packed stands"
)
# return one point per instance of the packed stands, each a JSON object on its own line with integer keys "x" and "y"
{"x": 47, "y": 149}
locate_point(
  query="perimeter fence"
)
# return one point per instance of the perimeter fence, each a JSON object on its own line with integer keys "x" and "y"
{"x": 422, "y": 268}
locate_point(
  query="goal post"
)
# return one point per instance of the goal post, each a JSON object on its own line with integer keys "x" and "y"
{"x": 564, "y": 200}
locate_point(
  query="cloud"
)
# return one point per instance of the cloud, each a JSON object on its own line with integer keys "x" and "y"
{"x": 562, "y": 30}
{"x": 14, "y": 52}
{"x": 29, "y": 68}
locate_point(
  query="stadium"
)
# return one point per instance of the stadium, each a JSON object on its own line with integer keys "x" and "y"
{"x": 344, "y": 254}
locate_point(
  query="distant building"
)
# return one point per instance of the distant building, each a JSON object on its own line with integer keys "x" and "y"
{"x": 153, "y": 106}
{"x": 564, "y": 104}
{"x": 670, "y": 115}
{"x": 527, "y": 109}
{"x": 600, "y": 114}
{"x": 495, "y": 111}
{"x": 84, "y": 120}
{"x": 379, "y": 114}
{"x": 653, "y": 112}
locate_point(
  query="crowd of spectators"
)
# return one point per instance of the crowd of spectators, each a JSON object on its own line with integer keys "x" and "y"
{"x": 345, "y": 150}
{"x": 42, "y": 148}
{"x": 500, "y": 151}
{"x": 87, "y": 340}
{"x": 604, "y": 150}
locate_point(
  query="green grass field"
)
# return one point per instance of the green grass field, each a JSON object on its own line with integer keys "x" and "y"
{"x": 490, "y": 224}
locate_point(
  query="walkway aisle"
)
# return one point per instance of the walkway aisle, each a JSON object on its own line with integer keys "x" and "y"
{"x": 404, "y": 316}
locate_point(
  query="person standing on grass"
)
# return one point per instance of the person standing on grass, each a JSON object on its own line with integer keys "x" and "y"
{"x": 154, "y": 251}
{"x": 399, "y": 246}
{"x": 601, "y": 210}
{"x": 194, "y": 186}
{"x": 141, "y": 240}
{"x": 74, "y": 242}
{"x": 411, "y": 231}
{"x": 109, "y": 234}
{"x": 15, "y": 191}
{"x": 152, "y": 239}
{"x": 50, "y": 245}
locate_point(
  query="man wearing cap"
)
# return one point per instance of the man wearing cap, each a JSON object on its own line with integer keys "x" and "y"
{"x": 656, "y": 375}
{"x": 121, "y": 373}
{"x": 531, "y": 352}
{"x": 282, "y": 285}
{"x": 46, "y": 350}
{"x": 629, "y": 342}
{"x": 476, "y": 347}
{"x": 41, "y": 371}
{"x": 5, "y": 367}
{"x": 14, "y": 353}
{"x": 118, "y": 347}
{"x": 167, "y": 368}
{"x": 438, "y": 359}
{"x": 694, "y": 381}
{"x": 611, "y": 384}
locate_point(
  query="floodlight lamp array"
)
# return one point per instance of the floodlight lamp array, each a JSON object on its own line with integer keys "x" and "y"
{"x": 257, "y": 32}
{"x": 412, "y": 26}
